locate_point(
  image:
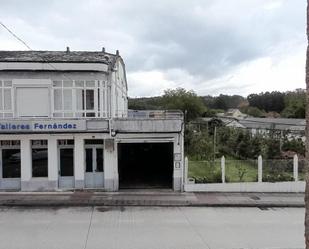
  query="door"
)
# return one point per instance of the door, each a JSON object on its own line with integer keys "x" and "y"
{"x": 66, "y": 168}
{"x": 10, "y": 169}
{"x": 94, "y": 176}
{"x": 145, "y": 165}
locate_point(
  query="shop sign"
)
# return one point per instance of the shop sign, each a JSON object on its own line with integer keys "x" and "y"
{"x": 42, "y": 125}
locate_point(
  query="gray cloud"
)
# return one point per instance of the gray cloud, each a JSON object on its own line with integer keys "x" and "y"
{"x": 205, "y": 38}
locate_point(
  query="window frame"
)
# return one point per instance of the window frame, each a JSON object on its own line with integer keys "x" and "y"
{"x": 6, "y": 113}
{"x": 99, "y": 99}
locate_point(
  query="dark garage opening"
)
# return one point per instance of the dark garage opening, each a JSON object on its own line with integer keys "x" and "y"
{"x": 145, "y": 165}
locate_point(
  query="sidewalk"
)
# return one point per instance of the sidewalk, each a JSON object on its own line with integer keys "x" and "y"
{"x": 150, "y": 198}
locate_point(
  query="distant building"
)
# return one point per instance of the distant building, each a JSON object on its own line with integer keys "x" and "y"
{"x": 294, "y": 127}
{"x": 235, "y": 113}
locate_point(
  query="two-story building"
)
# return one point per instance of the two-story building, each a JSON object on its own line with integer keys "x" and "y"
{"x": 64, "y": 124}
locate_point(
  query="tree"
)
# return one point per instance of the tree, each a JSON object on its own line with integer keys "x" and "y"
{"x": 184, "y": 100}
{"x": 253, "y": 111}
{"x": 307, "y": 137}
{"x": 295, "y": 104}
{"x": 268, "y": 101}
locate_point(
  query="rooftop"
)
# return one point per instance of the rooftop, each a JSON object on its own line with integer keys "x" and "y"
{"x": 262, "y": 123}
{"x": 58, "y": 56}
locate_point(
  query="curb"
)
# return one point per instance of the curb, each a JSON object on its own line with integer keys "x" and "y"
{"x": 151, "y": 204}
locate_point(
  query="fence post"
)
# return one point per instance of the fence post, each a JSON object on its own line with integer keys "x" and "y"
{"x": 295, "y": 168}
{"x": 223, "y": 169}
{"x": 186, "y": 169}
{"x": 260, "y": 168}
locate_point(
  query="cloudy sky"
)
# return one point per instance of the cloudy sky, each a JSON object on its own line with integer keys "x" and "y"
{"x": 209, "y": 46}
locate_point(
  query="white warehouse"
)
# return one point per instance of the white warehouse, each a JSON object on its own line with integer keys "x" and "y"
{"x": 65, "y": 124}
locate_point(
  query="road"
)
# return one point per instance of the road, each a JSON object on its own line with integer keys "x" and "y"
{"x": 151, "y": 228}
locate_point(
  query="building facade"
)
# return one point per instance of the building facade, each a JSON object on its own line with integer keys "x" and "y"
{"x": 64, "y": 124}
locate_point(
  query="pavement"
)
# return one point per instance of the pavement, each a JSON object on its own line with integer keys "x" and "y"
{"x": 151, "y": 228}
{"x": 151, "y": 198}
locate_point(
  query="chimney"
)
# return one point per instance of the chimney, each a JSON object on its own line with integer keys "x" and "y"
{"x": 68, "y": 49}
{"x": 117, "y": 52}
{"x": 103, "y": 49}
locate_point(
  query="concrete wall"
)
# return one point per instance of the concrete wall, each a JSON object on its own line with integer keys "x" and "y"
{"x": 147, "y": 125}
{"x": 285, "y": 187}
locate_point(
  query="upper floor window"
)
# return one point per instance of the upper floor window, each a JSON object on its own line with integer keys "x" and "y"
{"x": 77, "y": 98}
{"x": 6, "y": 109}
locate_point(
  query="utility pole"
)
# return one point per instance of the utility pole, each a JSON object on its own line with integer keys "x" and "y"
{"x": 215, "y": 133}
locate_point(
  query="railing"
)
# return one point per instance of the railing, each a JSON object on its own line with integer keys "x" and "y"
{"x": 155, "y": 114}
{"x": 236, "y": 171}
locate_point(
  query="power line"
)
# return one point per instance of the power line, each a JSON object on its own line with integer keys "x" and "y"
{"x": 13, "y": 34}
{"x": 27, "y": 46}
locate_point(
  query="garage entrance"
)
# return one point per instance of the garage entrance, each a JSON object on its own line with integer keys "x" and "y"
{"x": 145, "y": 165}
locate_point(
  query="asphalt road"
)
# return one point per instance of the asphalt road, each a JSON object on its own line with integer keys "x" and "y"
{"x": 151, "y": 228}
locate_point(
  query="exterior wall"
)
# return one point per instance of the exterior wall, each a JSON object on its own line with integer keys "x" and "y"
{"x": 50, "y": 183}
{"x": 9, "y": 75}
{"x": 119, "y": 91}
{"x": 113, "y": 86}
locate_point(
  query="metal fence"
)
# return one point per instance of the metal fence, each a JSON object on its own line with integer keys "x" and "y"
{"x": 155, "y": 114}
{"x": 301, "y": 169}
{"x": 241, "y": 170}
{"x": 205, "y": 171}
{"x": 278, "y": 170}
{"x": 229, "y": 170}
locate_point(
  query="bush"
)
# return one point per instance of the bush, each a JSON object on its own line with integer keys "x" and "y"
{"x": 283, "y": 177}
{"x": 213, "y": 178}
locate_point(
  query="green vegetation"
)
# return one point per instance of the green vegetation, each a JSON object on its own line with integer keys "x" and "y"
{"x": 184, "y": 100}
{"x": 235, "y": 171}
{"x": 277, "y": 170}
{"x": 241, "y": 151}
{"x": 205, "y": 171}
{"x": 285, "y": 104}
{"x": 241, "y": 171}
{"x": 205, "y": 143}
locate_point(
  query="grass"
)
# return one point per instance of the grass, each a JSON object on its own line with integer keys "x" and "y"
{"x": 278, "y": 170}
{"x": 235, "y": 171}
{"x": 243, "y": 171}
{"x": 205, "y": 171}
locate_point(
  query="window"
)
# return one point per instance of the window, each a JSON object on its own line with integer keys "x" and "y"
{"x": 10, "y": 158}
{"x": 39, "y": 158}
{"x": 11, "y": 163}
{"x": 63, "y": 98}
{"x": 85, "y": 102}
{"x": 6, "y": 109}
{"x": 77, "y": 98}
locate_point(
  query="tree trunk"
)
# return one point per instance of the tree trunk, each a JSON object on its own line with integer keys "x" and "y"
{"x": 307, "y": 137}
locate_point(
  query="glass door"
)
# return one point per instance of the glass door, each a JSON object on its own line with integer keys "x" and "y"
{"x": 66, "y": 164}
{"x": 94, "y": 177}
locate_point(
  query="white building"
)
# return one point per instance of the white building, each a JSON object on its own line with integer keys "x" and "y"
{"x": 64, "y": 124}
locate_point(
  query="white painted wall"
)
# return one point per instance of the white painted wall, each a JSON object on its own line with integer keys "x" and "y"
{"x": 114, "y": 95}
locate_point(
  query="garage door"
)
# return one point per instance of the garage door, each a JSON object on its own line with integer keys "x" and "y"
{"x": 145, "y": 165}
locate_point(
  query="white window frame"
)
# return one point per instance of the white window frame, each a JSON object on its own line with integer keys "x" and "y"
{"x": 6, "y": 113}
{"x": 100, "y": 95}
